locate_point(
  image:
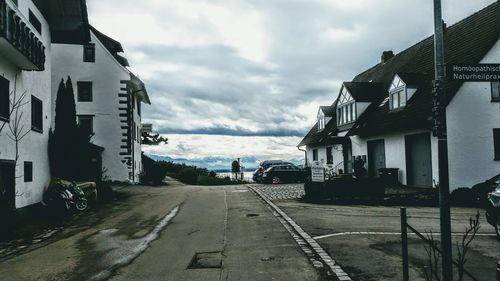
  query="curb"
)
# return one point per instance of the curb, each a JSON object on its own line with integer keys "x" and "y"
{"x": 305, "y": 239}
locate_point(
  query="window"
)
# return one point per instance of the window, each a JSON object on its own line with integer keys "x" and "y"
{"x": 84, "y": 91}
{"x": 35, "y": 22}
{"x": 138, "y": 107}
{"x": 496, "y": 143}
{"x": 4, "y": 99}
{"x": 315, "y": 155}
{"x": 346, "y": 114}
{"x": 89, "y": 52}
{"x": 495, "y": 91}
{"x": 86, "y": 123}
{"x": 36, "y": 115}
{"x": 28, "y": 171}
{"x": 398, "y": 98}
{"x": 329, "y": 156}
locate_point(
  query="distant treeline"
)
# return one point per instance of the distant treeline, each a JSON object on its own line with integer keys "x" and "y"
{"x": 155, "y": 172}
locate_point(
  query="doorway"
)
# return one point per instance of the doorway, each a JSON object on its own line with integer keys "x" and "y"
{"x": 376, "y": 157}
{"x": 8, "y": 183}
{"x": 418, "y": 159}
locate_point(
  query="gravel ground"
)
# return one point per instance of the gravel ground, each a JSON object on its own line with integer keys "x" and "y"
{"x": 281, "y": 191}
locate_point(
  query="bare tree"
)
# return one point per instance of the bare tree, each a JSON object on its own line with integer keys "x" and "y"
{"x": 17, "y": 130}
{"x": 434, "y": 255}
{"x": 463, "y": 245}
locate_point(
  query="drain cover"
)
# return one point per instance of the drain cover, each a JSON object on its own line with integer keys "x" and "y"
{"x": 252, "y": 215}
{"x": 206, "y": 260}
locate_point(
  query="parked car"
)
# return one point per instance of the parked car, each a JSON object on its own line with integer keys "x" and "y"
{"x": 493, "y": 210}
{"x": 481, "y": 190}
{"x": 264, "y": 165}
{"x": 284, "y": 173}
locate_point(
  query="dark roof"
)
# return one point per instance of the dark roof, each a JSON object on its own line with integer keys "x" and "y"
{"x": 314, "y": 136}
{"x": 68, "y": 19}
{"x": 113, "y": 46}
{"x": 364, "y": 91}
{"x": 328, "y": 110}
{"x": 466, "y": 42}
{"x": 412, "y": 79}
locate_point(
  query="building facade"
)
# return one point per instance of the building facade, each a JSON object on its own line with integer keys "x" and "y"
{"x": 25, "y": 102}
{"x": 384, "y": 115}
{"x": 108, "y": 100}
{"x": 42, "y": 42}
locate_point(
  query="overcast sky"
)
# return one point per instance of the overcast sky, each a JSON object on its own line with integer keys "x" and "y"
{"x": 258, "y": 67}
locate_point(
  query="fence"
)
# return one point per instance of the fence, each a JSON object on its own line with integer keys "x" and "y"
{"x": 404, "y": 241}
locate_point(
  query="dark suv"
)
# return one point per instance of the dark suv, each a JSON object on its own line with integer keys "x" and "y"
{"x": 493, "y": 210}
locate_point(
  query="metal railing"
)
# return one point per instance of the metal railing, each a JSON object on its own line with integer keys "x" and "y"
{"x": 404, "y": 242}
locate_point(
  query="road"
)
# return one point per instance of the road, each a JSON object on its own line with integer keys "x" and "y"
{"x": 175, "y": 232}
{"x": 365, "y": 240}
{"x": 259, "y": 232}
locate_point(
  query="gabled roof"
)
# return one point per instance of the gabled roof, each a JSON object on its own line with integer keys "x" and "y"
{"x": 466, "y": 42}
{"x": 315, "y": 136}
{"x": 364, "y": 91}
{"x": 412, "y": 79}
{"x": 328, "y": 110}
{"x": 113, "y": 46}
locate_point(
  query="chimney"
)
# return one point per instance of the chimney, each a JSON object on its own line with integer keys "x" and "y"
{"x": 387, "y": 55}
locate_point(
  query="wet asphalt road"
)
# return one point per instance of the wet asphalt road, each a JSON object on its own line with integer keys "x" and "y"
{"x": 168, "y": 233}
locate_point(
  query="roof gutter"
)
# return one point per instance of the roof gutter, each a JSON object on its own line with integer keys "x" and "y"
{"x": 138, "y": 88}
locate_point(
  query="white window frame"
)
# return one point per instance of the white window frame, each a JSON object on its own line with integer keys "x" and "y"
{"x": 398, "y": 89}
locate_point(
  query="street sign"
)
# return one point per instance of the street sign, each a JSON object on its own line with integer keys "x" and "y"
{"x": 485, "y": 72}
{"x": 317, "y": 172}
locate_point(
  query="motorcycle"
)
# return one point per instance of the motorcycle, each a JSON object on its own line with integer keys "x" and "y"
{"x": 66, "y": 196}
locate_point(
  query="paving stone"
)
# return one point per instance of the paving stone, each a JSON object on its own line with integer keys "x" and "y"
{"x": 281, "y": 191}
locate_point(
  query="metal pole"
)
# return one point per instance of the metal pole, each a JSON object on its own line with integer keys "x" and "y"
{"x": 440, "y": 132}
{"x": 404, "y": 243}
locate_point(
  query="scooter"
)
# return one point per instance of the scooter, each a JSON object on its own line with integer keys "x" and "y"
{"x": 66, "y": 198}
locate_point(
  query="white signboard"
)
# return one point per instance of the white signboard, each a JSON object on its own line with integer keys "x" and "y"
{"x": 317, "y": 172}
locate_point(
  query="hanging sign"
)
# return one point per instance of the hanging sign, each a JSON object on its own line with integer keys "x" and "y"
{"x": 486, "y": 72}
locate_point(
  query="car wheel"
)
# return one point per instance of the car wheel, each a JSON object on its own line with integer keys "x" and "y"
{"x": 276, "y": 180}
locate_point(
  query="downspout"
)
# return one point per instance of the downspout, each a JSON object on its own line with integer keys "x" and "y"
{"x": 305, "y": 155}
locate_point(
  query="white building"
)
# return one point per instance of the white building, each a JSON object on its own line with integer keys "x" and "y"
{"x": 385, "y": 114}
{"x": 108, "y": 100}
{"x": 30, "y": 31}
{"x": 24, "y": 70}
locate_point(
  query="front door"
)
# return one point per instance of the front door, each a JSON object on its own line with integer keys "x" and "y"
{"x": 8, "y": 183}
{"x": 418, "y": 160}
{"x": 376, "y": 157}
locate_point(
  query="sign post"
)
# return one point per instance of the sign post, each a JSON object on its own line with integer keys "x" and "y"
{"x": 439, "y": 130}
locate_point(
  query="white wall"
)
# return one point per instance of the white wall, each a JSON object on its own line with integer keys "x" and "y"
{"x": 105, "y": 74}
{"x": 471, "y": 117}
{"x": 34, "y": 146}
{"x": 395, "y": 151}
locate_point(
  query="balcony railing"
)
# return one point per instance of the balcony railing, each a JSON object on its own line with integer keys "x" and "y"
{"x": 17, "y": 42}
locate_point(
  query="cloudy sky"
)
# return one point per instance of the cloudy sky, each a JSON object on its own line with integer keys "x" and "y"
{"x": 255, "y": 71}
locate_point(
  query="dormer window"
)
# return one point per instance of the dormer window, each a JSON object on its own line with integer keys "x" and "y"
{"x": 321, "y": 120}
{"x": 346, "y": 108}
{"x": 397, "y": 93}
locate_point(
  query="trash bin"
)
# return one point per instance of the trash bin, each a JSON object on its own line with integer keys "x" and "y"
{"x": 389, "y": 175}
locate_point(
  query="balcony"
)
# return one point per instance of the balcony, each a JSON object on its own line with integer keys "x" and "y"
{"x": 17, "y": 42}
